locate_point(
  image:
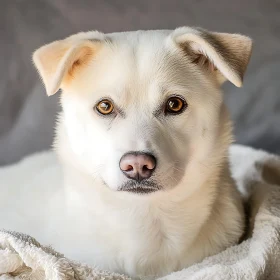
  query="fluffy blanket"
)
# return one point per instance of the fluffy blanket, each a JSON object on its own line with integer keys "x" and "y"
{"x": 257, "y": 174}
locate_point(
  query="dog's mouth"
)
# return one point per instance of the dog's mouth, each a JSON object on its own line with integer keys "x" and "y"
{"x": 143, "y": 187}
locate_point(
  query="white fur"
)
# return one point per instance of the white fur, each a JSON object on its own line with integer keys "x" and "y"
{"x": 198, "y": 213}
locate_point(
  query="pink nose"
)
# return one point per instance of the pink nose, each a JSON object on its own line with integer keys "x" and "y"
{"x": 138, "y": 166}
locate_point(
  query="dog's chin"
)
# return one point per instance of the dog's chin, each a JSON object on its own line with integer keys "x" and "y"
{"x": 144, "y": 187}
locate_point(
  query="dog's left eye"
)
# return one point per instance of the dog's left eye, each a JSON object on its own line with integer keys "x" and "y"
{"x": 175, "y": 105}
{"x": 105, "y": 107}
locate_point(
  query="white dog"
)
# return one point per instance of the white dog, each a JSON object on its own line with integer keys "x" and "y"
{"x": 143, "y": 138}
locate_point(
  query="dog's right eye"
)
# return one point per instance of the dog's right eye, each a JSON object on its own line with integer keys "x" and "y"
{"x": 175, "y": 105}
{"x": 105, "y": 107}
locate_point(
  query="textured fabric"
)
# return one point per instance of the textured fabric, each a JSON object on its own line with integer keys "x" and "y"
{"x": 27, "y": 116}
{"x": 257, "y": 175}
{"x": 22, "y": 257}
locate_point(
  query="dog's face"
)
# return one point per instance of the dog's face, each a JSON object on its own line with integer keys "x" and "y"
{"x": 140, "y": 107}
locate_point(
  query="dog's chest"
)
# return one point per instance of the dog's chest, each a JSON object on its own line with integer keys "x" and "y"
{"x": 131, "y": 241}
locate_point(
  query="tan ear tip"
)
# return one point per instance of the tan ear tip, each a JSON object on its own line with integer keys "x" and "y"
{"x": 50, "y": 93}
{"x": 51, "y": 90}
{"x": 237, "y": 81}
{"x": 36, "y": 60}
{"x": 249, "y": 42}
{"x": 35, "y": 55}
{"x": 248, "y": 39}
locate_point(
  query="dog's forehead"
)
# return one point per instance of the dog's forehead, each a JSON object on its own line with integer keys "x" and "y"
{"x": 139, "y": 38}
{"x": 141, "y": 51}
{"x": 138, "y": 60}
{"x": 134, "y": 65}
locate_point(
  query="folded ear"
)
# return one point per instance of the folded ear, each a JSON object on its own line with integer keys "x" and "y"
{"x": 57, "y": 62}
{"x": 227, "y": 53}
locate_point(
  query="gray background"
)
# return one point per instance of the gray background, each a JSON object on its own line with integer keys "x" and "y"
{"x": 27, "y": 116}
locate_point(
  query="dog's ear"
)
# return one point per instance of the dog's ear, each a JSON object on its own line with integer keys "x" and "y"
{"x": 227, "y": 53}
{"x": 58, "y": 62}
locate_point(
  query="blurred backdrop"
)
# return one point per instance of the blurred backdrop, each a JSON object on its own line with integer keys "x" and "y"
{"x": 27, "y": 115}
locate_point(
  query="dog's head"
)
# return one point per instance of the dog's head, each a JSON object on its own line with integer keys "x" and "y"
{"x": 140, "y": 108}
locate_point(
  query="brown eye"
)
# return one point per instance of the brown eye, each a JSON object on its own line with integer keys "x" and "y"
{"x": 105, "y": 107}
{"x": 175, "y": 105}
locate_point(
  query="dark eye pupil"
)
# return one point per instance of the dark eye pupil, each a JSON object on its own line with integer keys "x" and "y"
{"x": 173, "y": 104}
{"x": 105, "y": 106}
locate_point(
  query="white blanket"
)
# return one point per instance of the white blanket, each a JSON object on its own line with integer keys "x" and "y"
{"x": 258, "y": 257}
